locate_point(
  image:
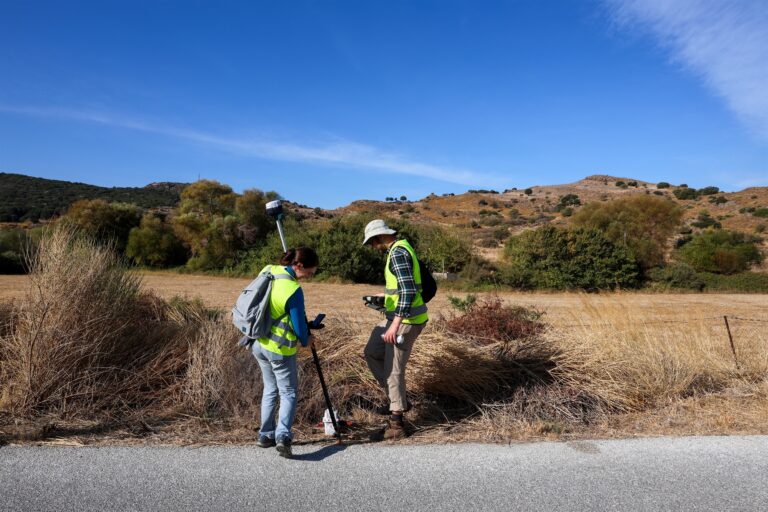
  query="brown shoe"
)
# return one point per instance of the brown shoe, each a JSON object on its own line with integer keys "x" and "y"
{"x": 394, "y": 430}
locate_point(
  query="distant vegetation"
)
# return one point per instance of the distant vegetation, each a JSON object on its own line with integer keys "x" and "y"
{"x": 634, "y": 241}
{"x": 26, "y": 198}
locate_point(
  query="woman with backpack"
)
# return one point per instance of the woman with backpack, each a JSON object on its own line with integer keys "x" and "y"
{"x": 276, "y": 353}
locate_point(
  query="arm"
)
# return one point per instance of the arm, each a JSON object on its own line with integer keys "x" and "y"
{"x": 401, "y": 265}
{"x": 295, "y": 308}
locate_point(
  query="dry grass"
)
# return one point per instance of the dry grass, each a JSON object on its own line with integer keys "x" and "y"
{"x": 89, "y": 347}
{"x": 86, "y": 339}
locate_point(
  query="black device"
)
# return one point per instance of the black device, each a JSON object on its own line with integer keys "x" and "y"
{"x": 317, "y": 323}
{"x": 275, "y": 209}
{"x": 375, "y": 302}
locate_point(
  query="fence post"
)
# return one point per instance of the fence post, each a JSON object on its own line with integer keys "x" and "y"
{"x": 730, "y": 339}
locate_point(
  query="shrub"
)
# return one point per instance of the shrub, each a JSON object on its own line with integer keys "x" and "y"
{"x": 718, "y": 200}
{"x": 641, "y": 224}
{"x": 760, "y": 212}
{"x": 442, "y": 250}
{"x": 581, "y": 258}
{"x": 214, "y": 243}
{"x": 528, "y": 191}
{"x": 490, "y": 220}
{"x": 254, "y": 223}
{"x": 14, "y": 244}
{"x": 207, "y": 199}
{"x": 69, "y": 341}
{"x": 662, "y": 184}
{"x": 677, "y": 275}
{"x": 478, "y": 270}
{"x": 658, "y": 192}
{"x": 103, "y": 221}
{"x": 489, "y": 320}
{"x": 463, "y": 305}
{"x": 708, "y": 191}
{"x": 568, "y": 200}
{"x": 720, "y": 252}
{"x": 685, "y": 194}
{"x": 706, "y": 221}
{"x": 155, "y": 244}
{"x": 747, "y": 282}
{"x": 501, "y": 233}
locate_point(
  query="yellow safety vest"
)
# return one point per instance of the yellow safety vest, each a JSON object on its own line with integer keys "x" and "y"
{"x": 418, "y": 314}
{"x": 282, "y": 338}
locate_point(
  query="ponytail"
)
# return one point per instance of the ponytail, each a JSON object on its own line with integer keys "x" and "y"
{"x": 304, "y": 255}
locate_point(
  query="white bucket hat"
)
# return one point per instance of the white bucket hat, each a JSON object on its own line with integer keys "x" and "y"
{"x": 375, "y": 228}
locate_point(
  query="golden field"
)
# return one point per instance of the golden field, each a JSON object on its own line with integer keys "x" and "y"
{"x": 603, "y": 365}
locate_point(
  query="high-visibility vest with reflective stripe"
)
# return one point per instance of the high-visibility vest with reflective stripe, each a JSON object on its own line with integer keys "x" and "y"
{"x": 418, "y": 314}
{"x": 282, "y": 338}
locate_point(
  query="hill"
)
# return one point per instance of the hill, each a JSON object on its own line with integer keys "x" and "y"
{"x": 489, "y": 217}
{"x": 27, "y": 198}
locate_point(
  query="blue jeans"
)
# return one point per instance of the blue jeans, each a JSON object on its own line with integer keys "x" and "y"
{"x": 280, "y": 375}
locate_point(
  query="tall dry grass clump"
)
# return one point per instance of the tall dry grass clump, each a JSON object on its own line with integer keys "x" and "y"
{"x": 86, "y": 339}
{"x": 634, "y": 364}
{"x": 6, "y": 318}
{"x": 222, "y": 379}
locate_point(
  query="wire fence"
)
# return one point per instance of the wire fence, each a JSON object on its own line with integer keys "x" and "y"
{"x": 687, "y": 320}
{"x": 737, "y": 332}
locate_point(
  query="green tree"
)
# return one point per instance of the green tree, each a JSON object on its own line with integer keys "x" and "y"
{"x": 721, "y": 251}
{"x": 207, "y": 198}
{"x": 155, "y": 244}
{"x": 250, "y": 209}
{"x": 107, "y": 222}
{"x": 216, "y": 224}
{"x": 581, "y": 258}
{"x": 642, "y": 224}
{"x": 444, "y": 251}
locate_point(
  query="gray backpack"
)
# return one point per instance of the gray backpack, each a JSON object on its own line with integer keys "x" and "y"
{"x": 251, "y": 312}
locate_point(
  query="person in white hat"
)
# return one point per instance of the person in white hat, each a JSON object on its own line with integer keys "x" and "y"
{"x": 391, "y": 342}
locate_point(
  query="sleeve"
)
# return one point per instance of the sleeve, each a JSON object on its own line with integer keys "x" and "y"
{"x": 401, "y": 264}
{"x": 295, "y": 308}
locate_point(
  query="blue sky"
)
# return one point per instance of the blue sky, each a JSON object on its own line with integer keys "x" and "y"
{"x": 329, "y": 101}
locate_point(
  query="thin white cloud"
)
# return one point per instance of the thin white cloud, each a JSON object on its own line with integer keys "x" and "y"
{"x": 725, "y": 42}
{"x": 338, "y": 153}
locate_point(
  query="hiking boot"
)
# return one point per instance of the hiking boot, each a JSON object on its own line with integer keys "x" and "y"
{"x": 265, "y": 442}
{"x": 394, "y": 430}
{"x": 383, "y": 410}
{"x": 284, "y": 448}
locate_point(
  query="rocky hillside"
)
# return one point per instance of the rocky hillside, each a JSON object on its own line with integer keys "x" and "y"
{"x": 489, "y": 217}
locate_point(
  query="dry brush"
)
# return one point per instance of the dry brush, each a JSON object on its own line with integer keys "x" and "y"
{"x": 89, "y": 342}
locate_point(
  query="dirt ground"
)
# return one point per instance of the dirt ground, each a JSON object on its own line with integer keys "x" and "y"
{"x": 733, "y": 411}
{"x": 337, "y": 300}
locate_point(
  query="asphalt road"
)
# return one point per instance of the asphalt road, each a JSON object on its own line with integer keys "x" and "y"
{"x": 710, "y": 473}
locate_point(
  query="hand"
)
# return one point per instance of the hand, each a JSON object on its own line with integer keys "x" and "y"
{"x": 391, "y": 335}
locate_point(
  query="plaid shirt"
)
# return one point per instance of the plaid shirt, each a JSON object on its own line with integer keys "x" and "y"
{"x": 401, "y": 264}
